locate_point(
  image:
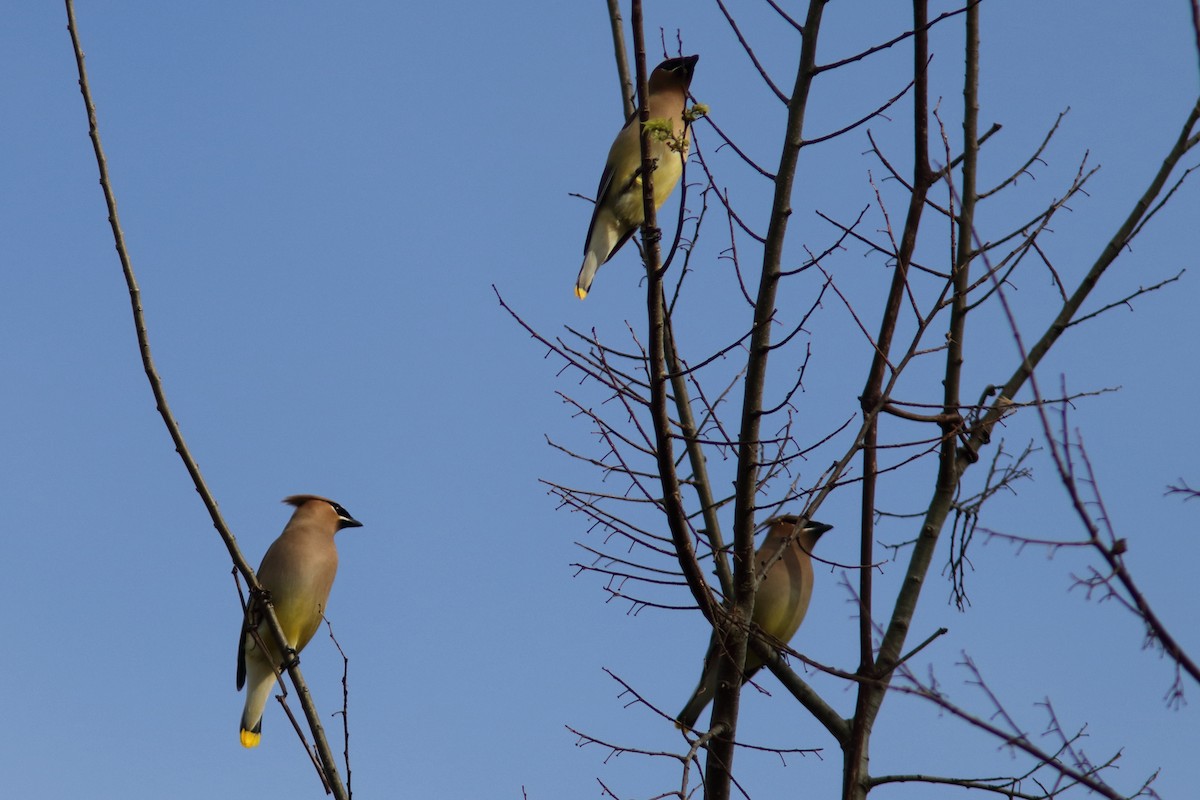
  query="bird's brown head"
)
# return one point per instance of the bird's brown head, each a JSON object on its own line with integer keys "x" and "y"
{"x": 784, "y": 524}
{"x": 344, "y": 519}
{"x": 673, "y": 72}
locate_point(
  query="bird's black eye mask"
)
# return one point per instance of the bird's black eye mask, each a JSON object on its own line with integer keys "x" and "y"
{"x": 344, "y": 515}
{"x": 685, "y": 65}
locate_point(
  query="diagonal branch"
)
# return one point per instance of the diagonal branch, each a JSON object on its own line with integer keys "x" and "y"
{"x": 981, "y": 433}
{"x": 329, "y": 766}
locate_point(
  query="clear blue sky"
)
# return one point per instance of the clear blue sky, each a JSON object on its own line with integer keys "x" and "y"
{"x": 318, "y": 197}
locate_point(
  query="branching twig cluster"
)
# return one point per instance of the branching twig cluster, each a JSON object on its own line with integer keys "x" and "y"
{"x": 670, "y": 431}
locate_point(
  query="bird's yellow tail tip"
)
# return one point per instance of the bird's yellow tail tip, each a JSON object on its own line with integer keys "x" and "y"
{"x": 251, "y": 738}
{"x": 580, "y": 292}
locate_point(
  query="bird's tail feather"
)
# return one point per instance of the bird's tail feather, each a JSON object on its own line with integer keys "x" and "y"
{"x": 702, "y": 696}
{"x": 586, "y": 273}
{"x": 257, "y": 693}
{"x": 603, "y": 240}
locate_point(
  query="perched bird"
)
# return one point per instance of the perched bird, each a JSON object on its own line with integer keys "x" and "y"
{"x": 779, "y": 605}
{"x": 297, "y": 572}
{"x": 619, "y": 209}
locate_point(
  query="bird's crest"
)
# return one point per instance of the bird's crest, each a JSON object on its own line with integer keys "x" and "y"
{"x": 298, "y": 500}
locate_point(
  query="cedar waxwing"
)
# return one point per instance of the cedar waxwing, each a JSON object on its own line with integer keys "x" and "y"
{"x": 619, "y": 209}
{"x": 298, "y": 572}
{"x": 779, "y": 605}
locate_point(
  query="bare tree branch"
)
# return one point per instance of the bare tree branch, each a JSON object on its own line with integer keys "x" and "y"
{"x": 328, "y": 765}
{"x": 622, "y": 59}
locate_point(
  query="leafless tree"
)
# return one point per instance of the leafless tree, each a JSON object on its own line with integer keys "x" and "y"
{"x": 671, "y": 429}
